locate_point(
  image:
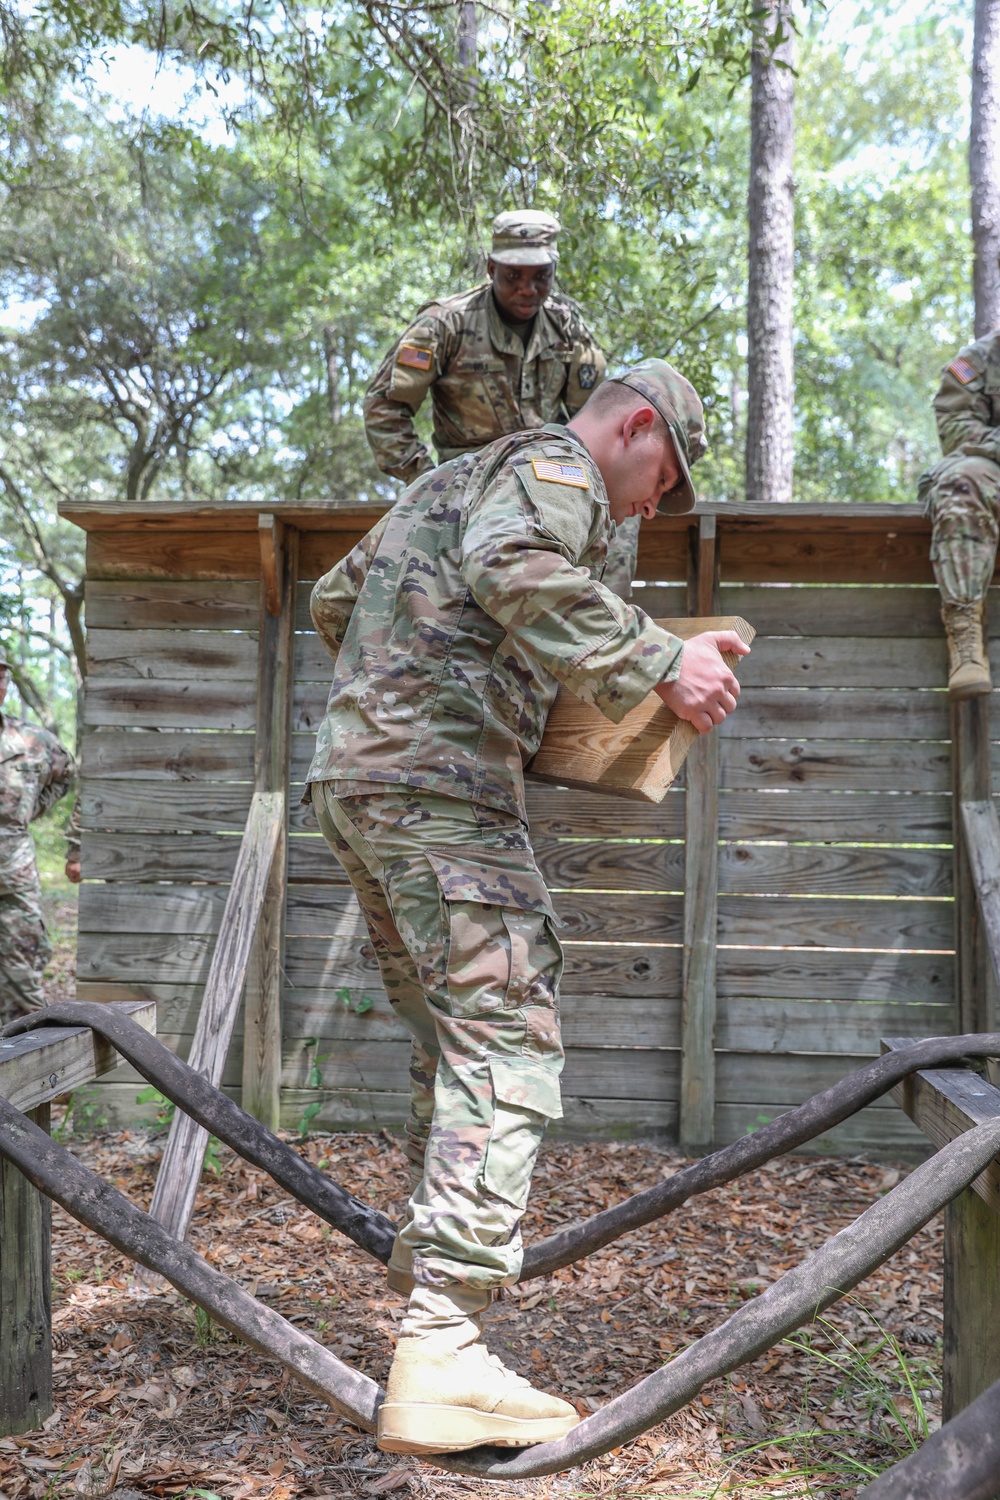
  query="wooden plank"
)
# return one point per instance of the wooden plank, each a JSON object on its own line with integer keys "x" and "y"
{"x": 41, "y": 1065}
{"x": 831, "y": 974}
{"x": 816, "y": 554}
{"x": 262, "y": 1013}
{"x": 847, "y": 662}
{"x": 946, "y": 1102}
{"x": 837, "y": 817}
{"x": 271, "y": 536}
{"x": 145, "y": 555}
{"x": 861, "y": 765}
{"x": 174, "y": 755}
{"x": 169, "y": 704}
{"x": 319, "y": 550}
{"x": 131, "y": 806}
{"x": 884, "y": 1134}
{"x": 186, "y": 516}
{"x": 25, "y": 1299}
{"x": 971, "y": 782}
{"x": 831, "y": 921}
{"x": 840, "y": 609}
{"x": 826, "y": 869}
{"x": 173, "y": 655}
{"x": 180, "y": 1168}
{"x": 971, "y": 1354}
{"x": 166, "y": 605}
{"x": 701, "y": 889}
{"x": 982, "y": 847}
{"x": 833, "y": 714}
{"x": 183, "y": 857}
{"x": 642, "y": 754}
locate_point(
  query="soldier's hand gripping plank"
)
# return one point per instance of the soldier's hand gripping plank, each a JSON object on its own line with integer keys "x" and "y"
{"x": 453, "y": 623}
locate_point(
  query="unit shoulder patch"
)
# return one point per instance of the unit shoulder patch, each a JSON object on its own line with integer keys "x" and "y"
{"x": 553, "y": 472}
{"x": 414, "y": 358}
{"x": 962, "y": 370}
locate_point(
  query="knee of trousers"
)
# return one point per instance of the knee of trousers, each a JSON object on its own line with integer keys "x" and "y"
{"x": 962, "y": 485}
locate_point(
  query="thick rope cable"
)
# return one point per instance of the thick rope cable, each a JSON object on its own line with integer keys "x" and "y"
{"x": 374, "y": 1232}
{"x": 799, "y": 1296}
{"x": 961, "y": 1461}
{"x": 224, "y": 1118}
{"x": 57, "y": 1173}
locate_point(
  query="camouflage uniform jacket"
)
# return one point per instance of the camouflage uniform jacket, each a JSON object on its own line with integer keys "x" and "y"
{"x": 967, "y": 405}
{"x": 35, "y": 771}
{"x": 454, "y": 620}
{"x": 484, "y": 384}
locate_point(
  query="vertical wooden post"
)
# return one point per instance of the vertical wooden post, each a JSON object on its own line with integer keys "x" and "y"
{"x": 701, "y": 871}
{"x": 25, "y": 1299}
{"x": 975, "y": 983}
{"x": 971, "y": 1301}
{"x": 275, "y": 685}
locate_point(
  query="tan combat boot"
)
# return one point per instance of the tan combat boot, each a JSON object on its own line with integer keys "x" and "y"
{"x": 446, "y": 1391}
{"x": 968, "y": 663}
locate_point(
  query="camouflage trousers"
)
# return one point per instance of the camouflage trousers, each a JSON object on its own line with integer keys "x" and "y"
{"x": 619, "y": 570}
{"x": 962, "y": 496}
{"x": 462, "y": 926}
{"x": 25, "y": 947}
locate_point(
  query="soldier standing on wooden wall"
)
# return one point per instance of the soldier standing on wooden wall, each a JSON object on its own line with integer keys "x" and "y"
{"x": 452, "y": 624}
{"x": 510, "y": 355}
{"x": 962, "y": 497}
{"x": 35, "y": 771}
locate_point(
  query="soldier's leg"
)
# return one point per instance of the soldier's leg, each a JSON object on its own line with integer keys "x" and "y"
{"x": 405, "y": 994}
{"x": 25, "y": 948}
{"x": 619, "y": 570}
{"x": 489, "y": 964}
{"x": 962, "y": 497}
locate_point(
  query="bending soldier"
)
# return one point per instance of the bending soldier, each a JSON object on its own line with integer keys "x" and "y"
{"x": 510, "y": 355}
{"x": 35, "y": 771}
{"x": 452, "y": 624}
{"x": 962, "y": 496}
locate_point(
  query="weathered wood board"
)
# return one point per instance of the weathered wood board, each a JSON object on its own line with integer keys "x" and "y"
{"x": 641, "y": 756}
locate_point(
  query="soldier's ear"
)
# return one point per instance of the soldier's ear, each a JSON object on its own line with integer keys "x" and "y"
{"x": 637, "y": 422}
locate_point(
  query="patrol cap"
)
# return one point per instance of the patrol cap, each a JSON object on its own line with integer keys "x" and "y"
{"x": 525, "y": 237}
{"x": 680, "y": 406}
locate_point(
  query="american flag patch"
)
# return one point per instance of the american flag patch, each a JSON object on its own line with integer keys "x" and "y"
{"x": 556, "y": 473}
{"x": 962, "y": 370}
{"x": 417, "y": 359}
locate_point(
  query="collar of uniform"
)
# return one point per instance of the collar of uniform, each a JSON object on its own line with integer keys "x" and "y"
{"x": 543, "y": 335}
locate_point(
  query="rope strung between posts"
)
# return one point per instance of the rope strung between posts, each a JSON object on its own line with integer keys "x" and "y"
{"x": 374, "y": 1232}
{"x": 795, "y": 1299}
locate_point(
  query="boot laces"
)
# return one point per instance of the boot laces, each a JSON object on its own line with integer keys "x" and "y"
{"x": 964, "y": 633}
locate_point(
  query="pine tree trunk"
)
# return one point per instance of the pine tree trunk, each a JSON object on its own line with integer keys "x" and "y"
{"x": 984, "y": 165}
{"x": 771, "y": 393}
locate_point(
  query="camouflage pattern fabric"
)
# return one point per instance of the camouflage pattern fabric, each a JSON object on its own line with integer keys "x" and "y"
{"x": 484, "y": 383}
{"x": 962, "y": 492}
{"x": 464, "y": 932}
{"x": 454, "y": 621}
{"x": 35, "y": 771}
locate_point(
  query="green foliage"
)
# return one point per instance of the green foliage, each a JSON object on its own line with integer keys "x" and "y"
{"x": 166, "y": 1109}
{"x": 84, "y": 1115}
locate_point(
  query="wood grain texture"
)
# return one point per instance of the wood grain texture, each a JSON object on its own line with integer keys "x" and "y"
{"x": 849, "y": 764}
{"x": 180, "y": 1168}
{"x": 834, "y": 870}
{"x": 971, "y": 782}
{"x": 41, "y": 1065}
{"x": 172, "y": 755}
{"x": 169, "y": 605}
{"x": 825, "y": 974}
{"x": 839, "y": 661}
{"x": 840, "y": 610}
{"x": 971, "y": 1354}
{"x": 25, "y": 1299}
{"x": 982, "y": 845}
{"x": 817, "y": 554}
{"x": 834, "y": 714}
{"x": 173, "y": 655}
{"x": 837, "y": 817}
{"x": 944, "y": 1103}
{"x": 169, "y": 703}
{"x": 638, "y": 757}
{"x": 174, "y": 556}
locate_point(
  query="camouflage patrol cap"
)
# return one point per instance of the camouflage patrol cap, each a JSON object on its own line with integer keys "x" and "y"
{"x": 680, "y": 406}
{"x": 525, "y": 237}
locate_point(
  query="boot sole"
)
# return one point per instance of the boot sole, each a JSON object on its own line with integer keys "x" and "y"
{"x": 978, "y": 689}
{"x": 408, "y": 1427}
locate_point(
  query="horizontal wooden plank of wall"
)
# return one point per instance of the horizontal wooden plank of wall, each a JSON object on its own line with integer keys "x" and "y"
{"x": 850, "y": 764}
{"x": 164, "y": 604}
{"x": 226, "y": 655}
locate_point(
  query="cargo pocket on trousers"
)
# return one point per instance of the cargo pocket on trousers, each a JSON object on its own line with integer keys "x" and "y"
{"x": 525, "y": 1095}
{"x": 487, "y": 954}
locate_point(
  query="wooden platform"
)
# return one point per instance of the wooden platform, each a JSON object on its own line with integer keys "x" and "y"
{"x": 822, "y": 834}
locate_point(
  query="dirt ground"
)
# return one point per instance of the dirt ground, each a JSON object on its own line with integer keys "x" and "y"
{"x": 153, "y": 1400}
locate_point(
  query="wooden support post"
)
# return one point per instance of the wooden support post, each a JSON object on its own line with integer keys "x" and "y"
{"x": 701, "y": 869}
{"x": 271, "y": 533}
{"x": 971, "y": 1301}
{"x": 25, "y": 1299}
{"x": 275, "y": 682}
{"x": 976, "y": 987}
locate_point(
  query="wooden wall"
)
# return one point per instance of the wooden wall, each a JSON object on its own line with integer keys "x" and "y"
{"x": 835, "y": 862}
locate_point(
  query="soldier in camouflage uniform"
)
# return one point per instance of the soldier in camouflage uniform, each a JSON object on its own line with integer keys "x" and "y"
{"x": 35, "y": 771}
{"x": 509, "y": 355}
{"x": 962, "y": 496}
{"x": 452, "y": 624}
